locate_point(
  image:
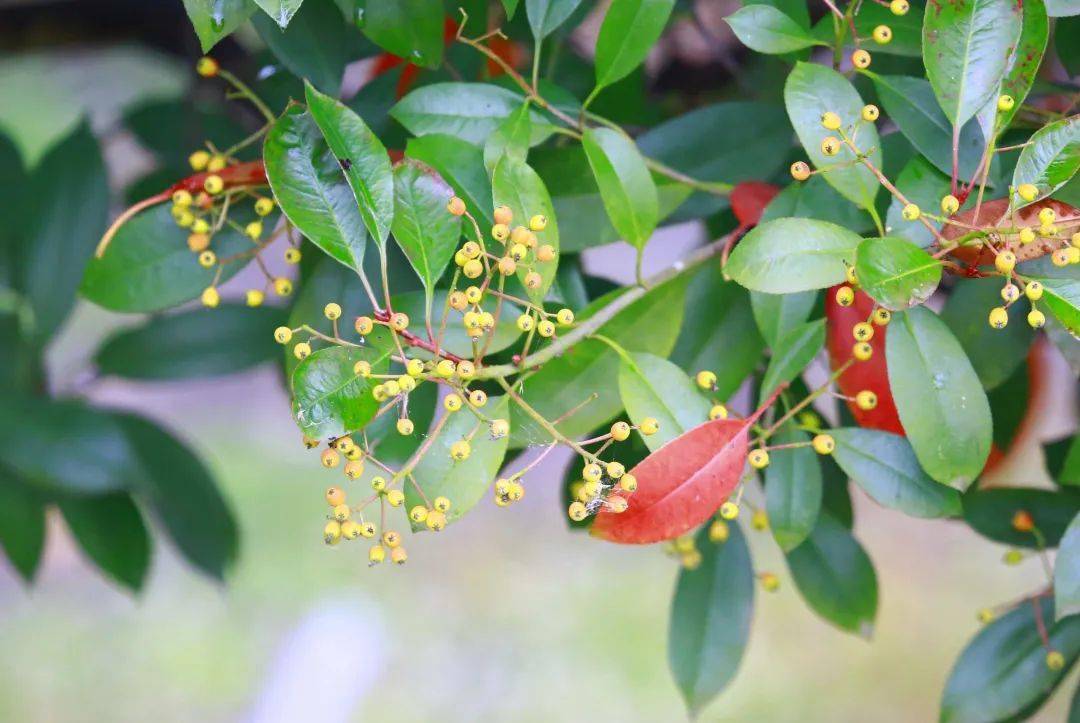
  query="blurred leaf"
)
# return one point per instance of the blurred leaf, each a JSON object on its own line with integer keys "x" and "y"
{"x": 547, "y": 15}
{"x": 835, "y": 577}
{"x": 111, "y": 532}
{"x": 649, "y": 324}
{"x": 884, "y": 465}
{"x": 373, "y": 103}
{"x": 510, "y": 6}
{"x": 468, "y": 111}
{"x": 463, "y": 483}
{"x": 329, "y": 399}
{"x": 197, "y": 343}
{"x": 966, "y": 49}
{"x": 791, "y": 355}
{"x": 281, "y": 11}
{"x": 835, "y": 499}
{"x": 1050, "y": 158}
{"x": 1063, "y": 460}
{"x": 515, "y": 184}
{"x": 1023, "y": 66}
{"x": 1064, "y": 30}
{"x": 183, "y": 495}
{"x": 625, "y": 184}
{"x": 510, "y": 138}
{"x": 923, "y": 185}
{"x": 410, "y": 29}
{"x": 778, "y": 314}
{"x": 1067, "y": 572}
{"x": 793, "y": 490}
{"x": 896, "y": 273}
{"x": 994, "y": 353}
{"x": 1002, "y": 673}
{"x": 789, "y": 255}
{"x": 910, "y": 102}
{"x": 628, "y": 32}
{"x": 815, "y": 198}
{"x": 990, "y": 513}
{"x": 718, "y": 332}
{"x": 363, "y": 159}
{"x": 810, "y": 91}
{"x": 315, "y": 46}
{"x": 1062, "y": 297}
{"x": 651, "y": 386}
{"x": 308, "y": 184}
{"x": 767, "y": 30}
{"x": 62, "y": 446}
{"x": 939, "y": 397}
{"x": 172, "y": 128}
{"x": 460, "y": 164}
{"x": 710, "y": 619}
{"x": 1061, "y": 8}
{"x": 425, "y": 230}
{"x": 22, "y": 525}
{"x": 214, "y": 19}
{"x": 69, "y": 199}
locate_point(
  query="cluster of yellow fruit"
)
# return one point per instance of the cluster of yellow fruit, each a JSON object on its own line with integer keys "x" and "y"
{"x": 522, "y": 249}
{"x": 831, "y": 145}
{"x": 606, "y": 485}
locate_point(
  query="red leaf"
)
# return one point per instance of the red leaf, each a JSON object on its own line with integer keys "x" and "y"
{"x": 749, "y": 199}
{"x": 872, "y": 374}
{"x": 682, "y": 484}
{"x": 993, "y": 214}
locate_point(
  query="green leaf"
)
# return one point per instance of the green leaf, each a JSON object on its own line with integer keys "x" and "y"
{"x": 1067, "y": 572}
{"x": 468, "y": 111}
{"x": 778, "y": 314}
{"x": 710, "y": 619}
{"x": 197, "y": 343}
{"x": 1063, "y": 461}
{"x": 515, "y": 184}
{"x": 329, "y": 399}
{"x": 792, "y": 254}
{"x": 1002, "y": 673}
{"x": 810, "y": 91}
{"x": 22, "y": 526}
{"x": 793, "y": 490}
{"x": 990, "y": 513}
{"x": 510, "y": 6}
{"x": 111, "y": 532}
{"x": 910, "y": 102}
{"x": 182, "y": 494}
{"x": 547, "y": 15}
{"x": 1050, "y": 158}
{"x": 280, "y": 11}
{"x": 1023, "y": 67}
{"x": 629, "y": 30}
{"x": 966, "y": 50}
{"x": 649, "y": 324}
{"x": 625, "y": 183}
{"x": 423, "y": 228}
{"x": 214, "y": 19}
{"x": 315, "y": 46}
{"x": 95, "y": 458}
{"x": 939, "y": 398}
{"x": 791, "y": 355}
{"x": 510, "y": 138}
{"x": 1064, "y": 30}
{"x": 718, "y": 331}
{"x": 907, "y": 29}
{"x": 925, "y": 186}
{"x": 463, "y": 483}
{"x": 148, "y": 266}
{"x": 885, "y": 466}
{"x": 460, "y": 164}
{"x": 767, "y": 30}
{"x": 307, "y": 181}
{"x": 69, "y": 200}
{"x": 363, "y": 158}
{"x": 994, "y": 353}
{"x": 835, "y": 577}
{"x": 836, "y": 498}
{"x": 651, "y": 386}
{"x": 815, "y": 198}
{"x": 410, "y": 29}
{"x": 896, "y": 273}
{"x": 1062, "y": 297}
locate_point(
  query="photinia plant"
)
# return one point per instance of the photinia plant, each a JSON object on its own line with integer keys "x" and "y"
{"x": 421, "y": 243}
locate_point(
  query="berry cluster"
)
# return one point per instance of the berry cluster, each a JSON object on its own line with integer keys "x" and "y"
{"x": 606, "y": 485}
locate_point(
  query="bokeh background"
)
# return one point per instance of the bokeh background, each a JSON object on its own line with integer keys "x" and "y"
{"x": 509, "y": 616}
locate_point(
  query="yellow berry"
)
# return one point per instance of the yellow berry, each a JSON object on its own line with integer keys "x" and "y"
{"x": 207, "y": 259}
{"x": 283, "y": 335}
{"x": 545, "y": 253}
{"x": 830, "y": 146}
{"x": 1005, "y": 103}
{"x": 354, "y": 468}
{"x": 473, "y": 268}
{"x": 862, "y": 331}
{"x": 1028, "y": 192}
{"x": 899, "y": 7}
{"x": 362, "y": 368}
{"x": 986, "y": 615}
{"x": 577, "y": 511}
{"x": 460, "y": 450}
{"x": 999, "y": 317}
{"x": 1005, "y": 261}
{"x": 455, "y": 206}
{"x": 866, "y": 400}
{"x": 718, "y": 411}
{"x": 500, "y": 232}
{"x": 649, "y": 426}
{"x": 870, "y": 113}
{"x": 545, "y": 329}
{"x": 445, "y": 368}
{"x": 332, "y": 532}
{"x": 335, "y": 496}
{"x": 620, "y": 431}
{"x": 213, "y": 184}
{"x": 330, "y": 458}
{"x": 253, "y": 230}
{"x": 1033, "y": 290}
{"x": 719, "y": 531}
{"x": 1010, "y": 292}
{"x": 350, "y": 530}
{"x": 729, "y": 510}
{"x": 525, "y": 322}
{"x": 452, "y": 402}
{"x": 436, "y": 521}
{"x": 759, "y": 459}
{"x": 845, "y": 296}
{"x": 418, "y": 514}
{"x": 499, "y": 428}
{"x": 332, "y": 311}
{"x": 533, "y": 280}
{"x": 1026, "y": 235}
{"x": 860, "y": 59}
{"x": 378, "y": 483}
{"x": 182, "y": 199}
{"x": 759, "y": 520}
{"x": 862, "y": 351}
{"x": 292, "y": 256}
{"x": 1036, "y": 319}
{"x": 474, "y": 294}
{"x": 824, "y": 444}
{"x": 706, "y": 380}
{"x": 253, "y": 297}
{"x": 1047, "y": 216}
{"x": 282, "y": 286}
{"x": 391, "y": 539}
{"x": 1055, "y": 660}
{"x": 210, "y": 297}
{"x": 628, "y": 482}
{"x": 770, "y": 582}
{"x": 395, "y": 497}
{"x": 399, "y": 321}
{"x": 478, "y": 397}
{"x": 405, "y": 427}
{"x": 565, "y": 317}
{"x": 376, "y": 554}
{"x": 198, "y": 160}
{"x": 341, "y": 512}
{"x": 882, "y": 34}
{"x": 950, "y": 204}
{"x": 882, "y": 316}
{"x": 503, "y": 215}
{"x": 592, "y": 472}
{"x": 207, "y": 67}
{"x": 800, "y": 171}
{"x": 911, "y": 212}
{"x": 614, "y": 470}
{"x": 538, "y": 223}
{"x": 197, "y": 242}
{"x": 830, "y": 120}
{"x": 507, "y": 266}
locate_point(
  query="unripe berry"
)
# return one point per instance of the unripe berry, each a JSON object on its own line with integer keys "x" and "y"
{"x": 1060, "y": 257}
{"x": 332, "y": 311}
{"x": 986, "y": 615}
{"x": 1036, "y": 319}
{"x": 217, "y": 163}
{"x": 1055, "y": 660}
{"x": 899, "y": 7}
{"x": 181, "y": 199}
{"x": 445, "y": 368}
{"x": 999, "y": 317}
{"x": 830, "y": 146}
{"x": 368, "y": 530}
{"x": 436, "y": 521}
{"x": 620, "y": 431}
{"x": 332, "y": 532}
{"x": 518, "y": 252}
{"x": 545, "y": 328}
{"x": 254, "y": 297}
{"x": 577, "y": 511}
{"x": 719, "y": 532}
{"x": 592, "y": 472}
{"x": 207, "y": 259}
{"x": 253, "y": 230}
{"x": 395, "y": 497}
{"x": 292, "y": 256}
{"x": 911, "y": 212}
{"x": 862, "y": 331}
{"x": 538, "y": 223}
{"x": 302, "y": 350}
{"x": 649, "y": 426}
{"x": 183, "y": 217}
{"x": 282, "y": 286}
{"x": 824, "y": 444}
{"x": 830, "y": 120}
{"x": 882, "y": 34}
{"x": 460, "y": 450}
{"x": 1012, "y": 557}
{"x": 1005, "y": 103}
{"x": 1033, "y": 290}
{"x": 614, "y": 470}
{"x": 628, "y": 482}
{"x": 1047, "y": 216}
{"x": 198, "y": 160}
{"x": 455, "y": 206}
{"x": 862, "y": 351}
{"x": 460, "y": 258}
{"x": 860, "y": 59}
{"x": 470, "y": 249}
{"x": 341, "y": 512}
{"x": 500, "y": 232}
{"x": 499, "y": 428}
{"x": 213, "y": 185}
{"x": 418, "y": 514}
{"x": 866, "y": 400}
{"x": 392, "y": 388}
{"x": 210, "y": 297}
{"x": 870, "y": 113}
{"x": 950, "y": 204}
{"x": 616, "y": 504}
{"x": 207, "y": 67}
{"x": 474, "y": 294}
{"x": 405, "y": 427}
{"x": 1027, "y": 192}
{"x": 718, "y": 411}
{"x": 729, "y": 510}
{"x": 466, "y": 369}
{"x": 759, "y": 459}
{"x": 457, "y": 300}
{"x": 503, "y": 215}
{"x": 759, "y": 520}
{"x": 362, "y": 368}
{"x": 882, "y": 316}
{"x": 452, "y": 402}
{"x": 378, "y": 483}
{"x": 473, "y": 268}
{"x": 399, "y": 321}
{"x": 525, "y": 322}
{"x": 376, "y": 555}
{"x": 354, "y": 468}
{"x": 478, "y": 397}
{"x": 330, "y": 458}
{"x": 706, "y": 380}
{"x": 800, "y": 171}
{"x": 565, "y": 317}
{"x": 282, "y": 335}
{"x": 1026, "y": 235}
{"x": 845, "y": 296}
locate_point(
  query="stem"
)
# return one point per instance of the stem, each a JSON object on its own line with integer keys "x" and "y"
{"x": 539, "y": 419}
{"x": 248, "y": 93}
{"x": 805, "y": 402}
